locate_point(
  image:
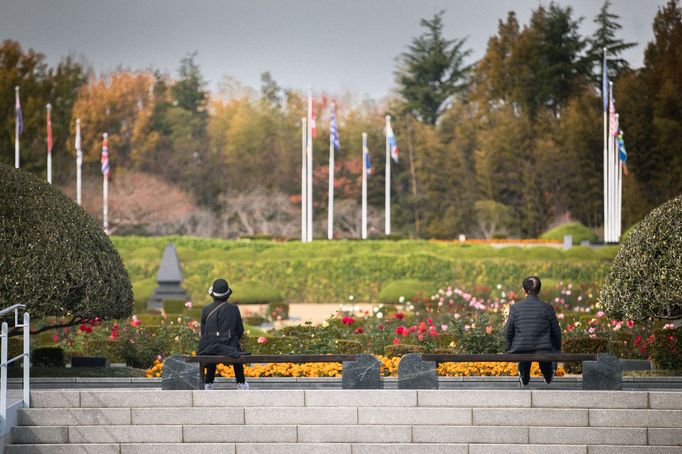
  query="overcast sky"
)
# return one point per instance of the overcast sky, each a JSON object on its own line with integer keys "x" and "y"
{"x": 336, "y": 46}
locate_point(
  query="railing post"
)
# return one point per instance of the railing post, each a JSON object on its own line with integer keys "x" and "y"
{"x": 3, "y": 377}
{"x": 27, "y": 359}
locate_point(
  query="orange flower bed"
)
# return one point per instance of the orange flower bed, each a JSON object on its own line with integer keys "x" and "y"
{"x": 504, "y": 241}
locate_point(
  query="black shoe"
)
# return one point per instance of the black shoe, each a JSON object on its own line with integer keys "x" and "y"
{"x": 548, "y": 380}
{"x": 521, "y": 383}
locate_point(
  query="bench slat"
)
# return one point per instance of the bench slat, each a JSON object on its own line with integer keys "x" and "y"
{"x": 271, "y": 359}
{"x": 508, "y": 357}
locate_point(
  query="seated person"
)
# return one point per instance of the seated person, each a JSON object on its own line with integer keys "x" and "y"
{"x": 533, "y": 327}
{"x": 221, "y": 329}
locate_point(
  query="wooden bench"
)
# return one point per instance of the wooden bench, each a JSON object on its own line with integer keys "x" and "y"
{"x": 418, "y": 371}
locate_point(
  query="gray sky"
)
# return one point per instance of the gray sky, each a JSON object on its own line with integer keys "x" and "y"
{"x": 335, "y": 46}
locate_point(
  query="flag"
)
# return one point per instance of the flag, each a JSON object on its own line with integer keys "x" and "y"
{"x": 79, "y": 152}
{"x": 313, "y": 123}
{"x": 605, "y": 84}
{"x": 332, "y": 129}
{"x": 622, "y": 153}
{"x": 613, "y": 121}
{"x": 20, "y": 120}
{"x": 105, "y": 156}
{"x": 368, "y": 164}
{"x": 49, "y": 130}
{"x": 392, "y": 142}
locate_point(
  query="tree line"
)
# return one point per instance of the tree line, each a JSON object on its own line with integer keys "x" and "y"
{"x": 507, "y": 145}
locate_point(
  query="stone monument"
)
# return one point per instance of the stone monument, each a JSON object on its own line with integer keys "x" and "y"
{"x": 169, "y": 280}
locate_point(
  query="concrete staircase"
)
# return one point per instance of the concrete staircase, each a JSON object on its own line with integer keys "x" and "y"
{"x": 473, "y": 421}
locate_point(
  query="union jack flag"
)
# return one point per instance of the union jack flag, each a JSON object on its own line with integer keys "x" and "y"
{"x": 105, "y": 155}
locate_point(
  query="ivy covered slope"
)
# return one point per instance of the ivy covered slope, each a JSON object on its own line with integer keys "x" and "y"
{"x": 54, "y": 257}
{"x": 646, "y": 278}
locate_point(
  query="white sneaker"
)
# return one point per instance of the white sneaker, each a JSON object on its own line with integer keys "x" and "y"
{"x": 242, "y": 386}
{"x": 208, "y": 386}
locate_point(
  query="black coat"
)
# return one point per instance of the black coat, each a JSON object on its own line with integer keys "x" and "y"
{"x": 532, "y": 327}
{"x": 221, "y": 328}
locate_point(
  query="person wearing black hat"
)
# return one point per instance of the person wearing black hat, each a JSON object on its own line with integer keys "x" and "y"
{"x": 221, "y": 329}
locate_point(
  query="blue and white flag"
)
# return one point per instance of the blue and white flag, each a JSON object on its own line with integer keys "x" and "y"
{"x": 390, "y": 136}
{"x": 20, "y": 119}
{"x": 333, "y": 131}
{"x": 368, "y": 164}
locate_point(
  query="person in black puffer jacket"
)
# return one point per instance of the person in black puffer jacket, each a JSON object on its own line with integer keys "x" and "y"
{"x": 533, "y": 327}
{"x": 221, "y": 329}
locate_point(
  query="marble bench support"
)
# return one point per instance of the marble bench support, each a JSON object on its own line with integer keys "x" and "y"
{"x": 180, "y": 375}
{"x": 413, "y": 373}
{"x": 603, "y": 374}
{"x": 365, "y": 373}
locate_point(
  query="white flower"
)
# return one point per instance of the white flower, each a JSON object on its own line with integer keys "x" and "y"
{"x": 401, "y": 299}
{"x": 325, "y": 324}
{"x": 380, "y": 315}
{"x": 499, "y": 286}
{"x": 351, "y": 297}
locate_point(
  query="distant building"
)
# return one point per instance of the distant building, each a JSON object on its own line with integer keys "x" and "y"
{"x": 169, "y": 280}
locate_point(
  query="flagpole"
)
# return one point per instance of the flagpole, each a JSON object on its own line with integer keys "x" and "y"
{"x": 388, "y": 179}
{"x": 612, "y": 176}
{"x": 309, "y": 170}
{"x": 105, "y": 192}
{"x": 330, "y": 208}
{"x": 619, "y": 182}
{"x": 304, "y": 184}
{"x": 16, "y": 130}
{"x": 49, "y": 144}
{"x": 79, "y": 161}
{"x": 364, "y": 186}
{"x": 606, "y": 137}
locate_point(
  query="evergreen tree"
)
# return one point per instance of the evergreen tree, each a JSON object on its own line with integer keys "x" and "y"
{"x": 605, "y": 37}
{"x": 432, "y": 71}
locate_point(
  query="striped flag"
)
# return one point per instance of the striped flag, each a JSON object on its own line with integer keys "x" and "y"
{"x": 49, "y": 129}
{"x": 20, "y": 119}
{"x": 392, "y": 142}
{"x": 613, "y": 120}
{"x": 332, "y": 128}
{"x": 313, "y": 123}
{"x": 105, "y": 156}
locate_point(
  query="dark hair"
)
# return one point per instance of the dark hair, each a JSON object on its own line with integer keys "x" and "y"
{"x": 532, "y": 285}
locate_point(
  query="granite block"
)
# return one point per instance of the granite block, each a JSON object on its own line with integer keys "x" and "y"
{"x": 365, "y": 373}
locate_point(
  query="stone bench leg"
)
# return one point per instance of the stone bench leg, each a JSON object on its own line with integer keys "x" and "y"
{"x": 603, "y": 374}
{"x": 413, "y": 373}
{"x": 365, "y": 373}
{"x": 178, "y": 374}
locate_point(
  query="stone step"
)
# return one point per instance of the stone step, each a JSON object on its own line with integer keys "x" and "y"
{"x": 332, "y": 448}
{"x": 471, "y": 398}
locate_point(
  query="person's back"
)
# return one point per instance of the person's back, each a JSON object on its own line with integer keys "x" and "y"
{"x": 532, "y": 327}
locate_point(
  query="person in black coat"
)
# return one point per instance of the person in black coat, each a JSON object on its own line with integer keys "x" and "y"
{"x": 221, "y": 329}
{"x": 533, "y": 327}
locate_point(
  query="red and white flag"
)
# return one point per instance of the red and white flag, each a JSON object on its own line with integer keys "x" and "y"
{"x": 313, "y": 123}
{"x": 49, "y": 131}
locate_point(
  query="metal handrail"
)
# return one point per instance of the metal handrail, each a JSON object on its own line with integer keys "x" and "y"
{"x": 5, "y": 362}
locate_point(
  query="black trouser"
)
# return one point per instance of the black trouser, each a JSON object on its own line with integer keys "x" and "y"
{"x": 209, "y": 376}
{"x": 546, "y": 367}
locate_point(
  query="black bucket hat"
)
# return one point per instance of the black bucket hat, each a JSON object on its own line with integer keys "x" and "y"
{"x": 219, "y": 289}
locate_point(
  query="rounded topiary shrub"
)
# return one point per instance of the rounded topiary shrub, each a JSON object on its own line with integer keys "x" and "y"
{"x": 406, "y": 288}
{"x": 254, "y": 292}
{"x": 54, "y": 257}
{"x": 578, "y": 231}
{"x": 48, "y": 357}
{"x": 646, "y": 277}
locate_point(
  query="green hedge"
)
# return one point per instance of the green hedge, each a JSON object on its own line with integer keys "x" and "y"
{"x": 577, "y": 230}
{"x": 406, "y": 288}
{"x": 48, "y": 357}
{"x": 254, "y": 292}
{"x": 584, "y": 345}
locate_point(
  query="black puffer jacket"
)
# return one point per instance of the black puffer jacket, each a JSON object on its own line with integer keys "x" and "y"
{"x": 532, "y": 327}
{"x": 221, "y": 329}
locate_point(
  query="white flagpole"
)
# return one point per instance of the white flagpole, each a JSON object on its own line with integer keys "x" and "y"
{"x": 49, "y": 152}
{"x": 609, "y": 170}
{"x": 330, "y": 208}
{"x": 619, "y": 183}
{"x": 606, "y": 176}
{"x": 612, "y": 178}
{"x": 388, "y": 179}
{"x": 105, "y": 195}
{"x": 16, "y": 132}
{"x": 364, "y": 186}
{"x": 309, "y": 194}
{"x": 304, "y": 179}
{"x": 79, "y": 161}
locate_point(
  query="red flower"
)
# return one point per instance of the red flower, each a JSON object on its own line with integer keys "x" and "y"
{"x": 135, "y": 323}
{"x": 359, "y": 330}
{"x": 433, "y": 331}
{"x": 400, "y": 330}
{"x": 380, "y": 327}
{"x": 399, "y": 315}
{"x": 630, "y": 323}
{"x": 422, "y": 327}
{"x": 429, "y": 321}
{"x": 55, "y": 338}
{"x": 396, "y": 341}
{"x": 638, "y": 340}
{"x": 347, "y": 320}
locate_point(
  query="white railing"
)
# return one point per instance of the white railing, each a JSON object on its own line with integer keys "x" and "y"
{"x": 6, "y": 425}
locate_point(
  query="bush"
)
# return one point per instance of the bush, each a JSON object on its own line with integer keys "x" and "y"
{"x": 646, "y": 277}
{"x": 48, "y": 357}
{"x": 584, "y": 345}
{"x": 575, "y": 229}
{"x": 402, "y": 350}
{"x": 278, "y": 311}
{"x": 407, "y": 288}
{"x": 254, "y": 292}
{"x": 665, "y": 349}
{"x": 347, "y": 347}
{"x": 56, "y": 259}
{"x": 174, "y": 306}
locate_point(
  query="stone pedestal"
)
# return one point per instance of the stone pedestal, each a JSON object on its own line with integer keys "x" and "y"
{"x": 603, "y": 374}
{"x": 178, "y": 374}
{"x": 169, "y": 281}
{"x": 413, "y": 373}
{"x": 365, "y": 373}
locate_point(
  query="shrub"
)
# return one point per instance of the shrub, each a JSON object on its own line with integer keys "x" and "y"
{"x": 278, "y": 311}
{"x": 174, "y": 306}
{"x": 665, "y": 349}
{"x": 56, "y": 259}
{"x": 254, "y": 292}
{"x": 347, "y": 347}
{"x": 402, "y": 350}
{"x": 48, "y": 357}
{"x": 646, "y": 277}
{"x": 584, "y": 345}
{"x": 407, "y": 288}
{"x": 575, "y": 229}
